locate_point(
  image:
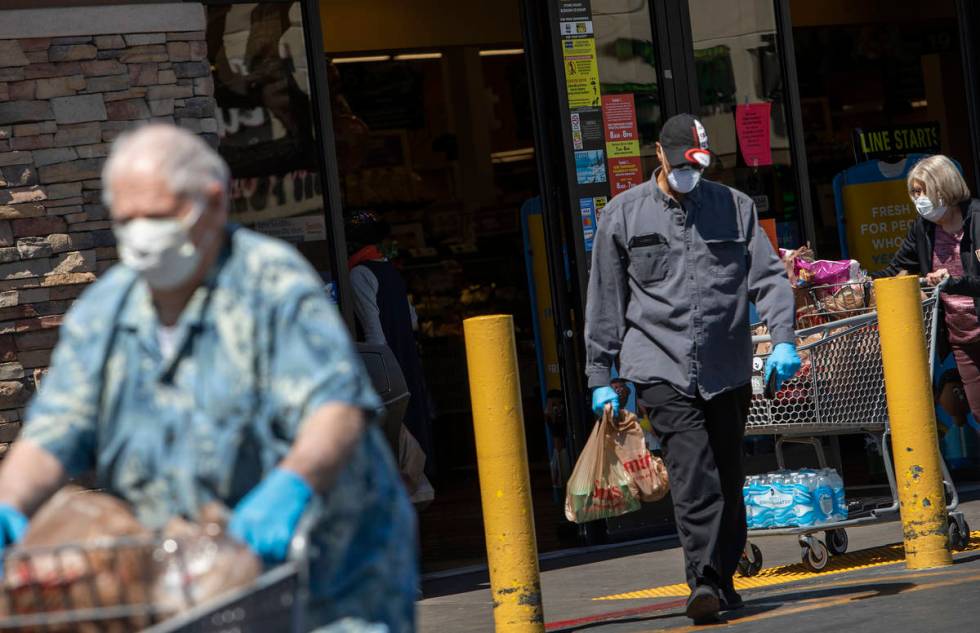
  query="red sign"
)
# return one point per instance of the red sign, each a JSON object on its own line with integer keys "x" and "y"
{"x": 622, "y": 142}
{"x": 752, "y": 127}
{"x": 619, "y": 116}
{"x": 625, "y": 173}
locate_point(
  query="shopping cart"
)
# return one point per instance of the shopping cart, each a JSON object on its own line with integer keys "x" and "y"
{"x": 108, "y": 587}
{"x": 839, "y": 390}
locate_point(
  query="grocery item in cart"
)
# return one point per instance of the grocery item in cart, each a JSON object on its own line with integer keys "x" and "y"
{"x": 802, "y": 498}
{"x": 825, "y": 272}
{"x": 86, "y": 550}
{"x": 40, "y": 579}
{"x": 199, "y": 562}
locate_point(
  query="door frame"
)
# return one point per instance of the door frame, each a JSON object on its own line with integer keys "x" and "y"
{"x": 968, "y": 16}
{"x": 678, "y": 90}
{"x": 567, "y": 256}
{"x": 326, "y": 150}
{"x": 329, "y": 172}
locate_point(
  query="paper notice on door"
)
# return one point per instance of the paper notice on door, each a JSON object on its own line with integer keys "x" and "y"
{"x": 752, "y": 128}
{"x": 589, "y": 219}
{"x": 581, "y": 72}
{"x": 591, "y": 209}
{"x": 622, "y": 142}
{"x": 581, "y": 27}
{"x": 590, "y": 167}
{"x": 619, "y": 115}
{"x": 625, "y": 172}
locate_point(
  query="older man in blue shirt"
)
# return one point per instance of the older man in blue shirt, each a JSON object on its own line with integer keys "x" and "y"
{"x": 210, "y": 366}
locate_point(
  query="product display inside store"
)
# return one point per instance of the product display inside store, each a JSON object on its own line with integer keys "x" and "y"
{"x": 410, "y": 148}
{"x": 881, "y": 85}
{"x": 433, "y": 136}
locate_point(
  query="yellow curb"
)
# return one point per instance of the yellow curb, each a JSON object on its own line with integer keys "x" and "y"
{"x": 863, "y": 559}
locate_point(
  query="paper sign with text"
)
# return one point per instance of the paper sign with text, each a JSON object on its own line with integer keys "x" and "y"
{"x": 878, "y": 216}
{"x": 622, "y": 142}
{"x": 752, "y": 127}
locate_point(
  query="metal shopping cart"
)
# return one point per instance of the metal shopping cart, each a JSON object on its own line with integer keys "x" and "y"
{"x": 108, "y": 587}
{"x": 839, "y": 390}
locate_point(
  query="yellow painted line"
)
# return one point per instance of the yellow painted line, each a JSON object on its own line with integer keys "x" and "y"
{"x": 772, "y": 576}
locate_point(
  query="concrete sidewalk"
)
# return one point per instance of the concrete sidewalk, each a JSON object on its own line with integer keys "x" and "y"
{"x": 878, "y": 598}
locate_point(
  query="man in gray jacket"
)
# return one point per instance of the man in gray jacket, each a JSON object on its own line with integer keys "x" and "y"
{"x": 675, "y": 263}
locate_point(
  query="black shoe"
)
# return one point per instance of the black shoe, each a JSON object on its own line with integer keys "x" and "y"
{"x": 730, "y": 600}
{"x": 703, "y": 605}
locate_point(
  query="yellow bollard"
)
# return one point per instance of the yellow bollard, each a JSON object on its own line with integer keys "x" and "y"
{"x": 915, "y": 445}
{"x": 508, "y": 521}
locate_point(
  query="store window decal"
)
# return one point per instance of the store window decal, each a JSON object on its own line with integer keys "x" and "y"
{"x": 265, "y": 119}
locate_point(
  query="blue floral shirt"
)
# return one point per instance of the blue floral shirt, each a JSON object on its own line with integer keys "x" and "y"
{"x": 258, "y": 348}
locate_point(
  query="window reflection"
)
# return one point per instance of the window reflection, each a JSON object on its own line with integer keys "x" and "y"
{"x": 627, "y": 64}
{"x": 737, "y": 65}
{"x": 265, "y": 122}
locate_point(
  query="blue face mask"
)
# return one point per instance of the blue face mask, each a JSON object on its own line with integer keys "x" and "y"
{"x": 930, "y": 212}
{"x": 684, "y": 179}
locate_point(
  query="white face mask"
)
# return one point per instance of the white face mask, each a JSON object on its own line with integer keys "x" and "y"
{"x": 160, "y": 249}
{"x": 683, "y": 179}
{"x": 923, "y": 204}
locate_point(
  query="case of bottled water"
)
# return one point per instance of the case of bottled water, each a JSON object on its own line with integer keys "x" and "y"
{"x": 800, "y": 498}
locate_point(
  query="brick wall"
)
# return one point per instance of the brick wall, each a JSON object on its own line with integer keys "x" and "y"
{"x": 62, "y": 102}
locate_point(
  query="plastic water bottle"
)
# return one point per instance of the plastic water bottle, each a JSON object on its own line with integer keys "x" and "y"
{"x": 758, "y": 516}
{"x": 785, "y": 499}
{"x": 840, "y": 500}
{"x": 781, "y": 499}
{"x": 824, "y": 505}
{"x": 766, "y": 500}
{"x": 804, "y": 484}
{"x": 751, "y": 513}
{"x": 760, "y": 493}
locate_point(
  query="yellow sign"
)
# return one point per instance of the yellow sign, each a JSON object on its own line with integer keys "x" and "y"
{"x": 581, "y": 73}
{"x": 878, "y": 216}
{"x": 902, "y": 139}
{"x": 623, "y": 149}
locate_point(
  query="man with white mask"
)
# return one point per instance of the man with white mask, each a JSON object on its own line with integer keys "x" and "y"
{"x": 675, "y": 263}
{"x": 210, "y": 366}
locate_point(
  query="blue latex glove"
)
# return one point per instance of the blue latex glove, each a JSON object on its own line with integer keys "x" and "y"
{"x": 13, "y": 524}
{"x": 603, "y": 396}
{"x": 266, "y": 517}
{"x": 784, "y": 361}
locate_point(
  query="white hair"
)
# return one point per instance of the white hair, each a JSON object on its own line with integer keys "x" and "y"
{"x": 942, "y": 180}
{"x": 189, "y": 165}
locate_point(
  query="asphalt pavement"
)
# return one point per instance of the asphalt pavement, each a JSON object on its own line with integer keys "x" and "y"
{"x": 583, "y": 591}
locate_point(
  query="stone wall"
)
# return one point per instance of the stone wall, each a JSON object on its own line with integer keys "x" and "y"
{"x": 62, "y": 101}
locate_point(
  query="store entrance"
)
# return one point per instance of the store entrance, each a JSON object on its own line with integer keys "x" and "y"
{"x": 881, "y": 86}
{"x": 433, "y": 132}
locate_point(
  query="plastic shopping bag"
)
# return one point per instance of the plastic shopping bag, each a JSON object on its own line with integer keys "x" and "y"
{"x": 600, "y": 487}
{"x": 824, "y": 272}
{"x": 648, "y": 474}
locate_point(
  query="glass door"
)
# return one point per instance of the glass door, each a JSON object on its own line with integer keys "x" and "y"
{"x": 610, "y": 103}
{"x": 605, "y": 75}
{"x": 269, "y": 127}
{"x": 742, "y": 103}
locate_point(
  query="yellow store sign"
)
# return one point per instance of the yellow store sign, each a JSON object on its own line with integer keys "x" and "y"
{"x": 878, "y": 216}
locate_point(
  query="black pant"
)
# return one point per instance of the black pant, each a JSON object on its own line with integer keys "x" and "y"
{"x": 702, "y": 443}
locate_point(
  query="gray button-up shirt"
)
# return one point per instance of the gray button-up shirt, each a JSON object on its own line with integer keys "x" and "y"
{"x": 669, "y": 289}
